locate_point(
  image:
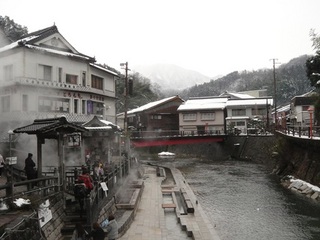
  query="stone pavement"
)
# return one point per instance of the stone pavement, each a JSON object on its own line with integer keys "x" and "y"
{"x": 152, "y": 221}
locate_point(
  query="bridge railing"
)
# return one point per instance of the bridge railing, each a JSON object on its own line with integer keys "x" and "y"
{"x": 301, "y": 131}
{"x": 173, "y": 133}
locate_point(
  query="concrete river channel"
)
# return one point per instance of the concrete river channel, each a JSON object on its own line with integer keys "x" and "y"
{"x": 246, "y": 202}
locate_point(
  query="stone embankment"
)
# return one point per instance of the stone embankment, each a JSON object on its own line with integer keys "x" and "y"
{"x": 301, "y": 187}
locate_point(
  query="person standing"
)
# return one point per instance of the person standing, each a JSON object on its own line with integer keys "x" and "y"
{"x": 1, "y": 164}
{"x": 112, "y": 228}
{"x": 97, "y": 233}
{"x": 29, "y": 167}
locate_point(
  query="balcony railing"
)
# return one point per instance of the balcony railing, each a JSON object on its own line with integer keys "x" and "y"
{"x": 59, "y": 85}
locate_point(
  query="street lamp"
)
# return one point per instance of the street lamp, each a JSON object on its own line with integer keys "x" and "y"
{"x": 310, "y": 110}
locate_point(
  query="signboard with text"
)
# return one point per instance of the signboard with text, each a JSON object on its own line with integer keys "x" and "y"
{"x": 11, "y": 160}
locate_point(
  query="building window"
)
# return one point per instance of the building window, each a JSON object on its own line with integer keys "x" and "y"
{"x": 5, "y": 104}
{"x": 238, "y": 112}
{"x": 75, "y": 106}
{"x": 208, "y": 116}
{"x": 8, "y": 72}
{"x": 71, "y": 79}
{"x": 189, "y": 117}
{"x": 45, "y": 72}
{"x": 83, "y": 106}
{"x": 95, "y": 108}
{"x": 24, "y": 102}
{"x": 156, "y": 116}
{"x": 59, "y": 74}
{"x": 96, "y": 82}
{"x": 240, "y": 123}
{"x": 259, "y": 111}
{"x": 48, "y": 104}
{"x": 305, "y": 108}
{"x": 84, "y": 78}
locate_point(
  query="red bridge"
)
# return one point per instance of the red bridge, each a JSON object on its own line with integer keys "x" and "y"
{"x": 150, "y": 139}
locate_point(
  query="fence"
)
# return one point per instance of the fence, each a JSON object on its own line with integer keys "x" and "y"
{"x": 300, "y": 131}
{"x": 49, "y": 186}
{"x": 173, "y": 133}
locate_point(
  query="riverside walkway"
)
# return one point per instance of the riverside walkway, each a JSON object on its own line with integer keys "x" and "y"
{"x": 151, "y": 221}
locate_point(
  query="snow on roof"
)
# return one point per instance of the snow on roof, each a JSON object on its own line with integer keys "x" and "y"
{"x": 16, "y": 43}
{"x": 201, "y": 104}
{"x": 103, "y": 69}
{"x": 284, "y": 108}
{"x": 99, "y": 128}
{"x": 241, "y": 95}
{"x": 248, "y": 102}
{"x": 57, "y": 51}
{"x": 237, "y": 118}
{"x": 237, "y": 95}
{"x": 150, "y": 105}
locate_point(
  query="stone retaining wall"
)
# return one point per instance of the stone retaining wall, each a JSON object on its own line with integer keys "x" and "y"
{"x": 302, "y": 187}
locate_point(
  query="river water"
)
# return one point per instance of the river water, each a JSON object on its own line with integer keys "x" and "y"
{"x": 246, "y": 202}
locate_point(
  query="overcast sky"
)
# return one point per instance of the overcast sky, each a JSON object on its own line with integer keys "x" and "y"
{"x": 213, "y": 37}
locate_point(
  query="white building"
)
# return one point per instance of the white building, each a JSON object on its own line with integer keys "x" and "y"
{"x": 43, "y": 76}
{"x": 299, "y": 106}
{"x": 241, "y": 111}
{"x": 202, "y": 115}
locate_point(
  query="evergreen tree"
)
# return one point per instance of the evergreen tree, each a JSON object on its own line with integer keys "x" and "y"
{"x": 313, "y": 72}
{"x": 12, "y": 30}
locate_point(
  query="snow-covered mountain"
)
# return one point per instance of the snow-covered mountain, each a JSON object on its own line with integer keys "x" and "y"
{"x": 169, "y": 76}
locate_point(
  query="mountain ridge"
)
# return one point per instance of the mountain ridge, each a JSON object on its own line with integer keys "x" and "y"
{"x": 171, "y": 76}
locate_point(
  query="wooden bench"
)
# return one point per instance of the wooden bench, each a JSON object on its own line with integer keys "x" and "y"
{"x": 169, "y": 205}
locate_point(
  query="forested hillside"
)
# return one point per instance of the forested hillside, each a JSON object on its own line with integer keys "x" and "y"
{"x": 291, "y": 80}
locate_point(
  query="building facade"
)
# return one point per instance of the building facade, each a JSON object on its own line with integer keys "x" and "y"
{"x": 43, "y": 76}
{"x": 248, "y": 115}
{"x": 202, "y": 115}
{"x": 154, "y": 118}
{"x": 299, "y": 105}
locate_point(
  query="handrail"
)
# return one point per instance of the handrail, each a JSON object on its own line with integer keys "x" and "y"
{"x": 173, "y": 133}
{"x": 43, "y": 185}
{"x": 301, "y": 131}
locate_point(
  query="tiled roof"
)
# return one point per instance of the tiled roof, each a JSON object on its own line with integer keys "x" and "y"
{"x": 30, "y": 41}
{"x": 50, "y": 127}
{"x": 43, "y": 33}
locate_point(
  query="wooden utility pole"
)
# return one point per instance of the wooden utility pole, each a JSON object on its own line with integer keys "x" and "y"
{"x": 125, "y": 123}
{"x": 274, "y": 91}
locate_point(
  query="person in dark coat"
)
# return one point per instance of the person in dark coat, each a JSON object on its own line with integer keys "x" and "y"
{"x": 29, "y": 167}
{"x": 97, "y": 233}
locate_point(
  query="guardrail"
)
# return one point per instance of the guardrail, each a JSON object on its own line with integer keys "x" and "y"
{"x": 301, "y": 131}
{"x": 44, "y": 186}
{"x": 49, "y": 184}
{"x": 172, "y": 133}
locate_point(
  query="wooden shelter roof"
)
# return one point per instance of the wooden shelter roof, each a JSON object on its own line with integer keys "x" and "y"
{"x": 50, "y": 127}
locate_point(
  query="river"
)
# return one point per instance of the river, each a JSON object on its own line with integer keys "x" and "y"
{"x": 246, "y": 202}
